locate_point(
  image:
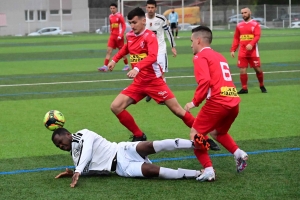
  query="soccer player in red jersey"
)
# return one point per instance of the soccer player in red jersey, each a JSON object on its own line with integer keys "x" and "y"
{"x": 215, "y": 84}
{"x": 247, "y": 34}
{"x": 116, "y": 39}
{"x": 147, "y": 78}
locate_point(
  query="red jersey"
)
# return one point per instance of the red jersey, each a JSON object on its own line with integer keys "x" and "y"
{"x": 143, "y": 50}
{"x": 117, "y": 24}
{"x": 214, "y": 79}
{"x": 246, "y": 33}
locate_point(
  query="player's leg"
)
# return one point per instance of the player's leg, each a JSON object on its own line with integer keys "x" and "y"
{"x": 111, "y": 44}
{"x": 127, "y": 97}
{"x": 146, "y": 148}
{"x": 242, "y": 65}
{"x": 255, "y": 64}
{"x": 131, "y": 164}
{"x": 176, "y": 30}
{"x": 188, "y": 119}
{"x": 150, "y": 170}
{"x": 228, "y": 117}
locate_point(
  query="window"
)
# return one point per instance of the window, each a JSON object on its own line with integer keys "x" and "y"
{"x": 29, "y": 15}
{"x": 41, "y": 15}
{"x": 66, "y": 12}
{"x": 54, "y": 12}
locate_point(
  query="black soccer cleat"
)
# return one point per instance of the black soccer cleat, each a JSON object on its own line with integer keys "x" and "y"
{"x": 142, "y": 138}
{"x": 213, "y": 146}
{"x": 263, "y": 89}
{"x": 243, "y": 91}
{"x": 148, "y": 98}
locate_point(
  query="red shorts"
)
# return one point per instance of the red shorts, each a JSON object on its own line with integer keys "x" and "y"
{"x": 252, "y": 61}
{"x": 157, "y": 89}
{"x": 215, "y": 116}
{"x": 114, "y": 43}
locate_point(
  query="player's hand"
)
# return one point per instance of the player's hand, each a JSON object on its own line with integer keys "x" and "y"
{"x": 111, "y": 65}
{"x": 119, "y": 37}
{"x": 174, "y": 52}
{"x": 189, "y": 106}
{"x": 68, "y": 172}
{"x": 249, "y": 47}
{"x": 132, "y": 73}
{"x": 75, "y": 178}
{"x": 232, "y": 54}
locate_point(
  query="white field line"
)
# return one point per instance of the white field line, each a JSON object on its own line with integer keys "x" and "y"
{"x": 115, "y": 80}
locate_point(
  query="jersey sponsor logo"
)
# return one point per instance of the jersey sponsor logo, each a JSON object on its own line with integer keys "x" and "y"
{"x": 114, "y": 25}
{"x": 246, "y": 37}
{"x": 229, "y": 92}
{"x": 156, "y": 23}
{"x": 135, "y": 58}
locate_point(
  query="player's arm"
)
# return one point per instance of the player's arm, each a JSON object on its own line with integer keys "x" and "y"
{"x": 152, "y": 49}
{"x": 236, "y": 40}
{"x": 202, "y": 76}
{"x": 257, "y": 33}
{"x": 85, "y": 155}
{"x": 122, "y": 30}
{"x": 121, "y": 53}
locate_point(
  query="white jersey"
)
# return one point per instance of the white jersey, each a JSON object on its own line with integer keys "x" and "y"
{"x": 91, "y": 151}
{"x": 159, "y": 25}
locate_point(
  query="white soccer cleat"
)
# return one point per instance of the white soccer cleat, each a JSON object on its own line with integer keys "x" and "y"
{"x": 206, "y": 176}
{"x": 241, "y": 163}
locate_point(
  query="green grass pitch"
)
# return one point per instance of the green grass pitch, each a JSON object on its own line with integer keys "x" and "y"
{"x": 38, "y": 74}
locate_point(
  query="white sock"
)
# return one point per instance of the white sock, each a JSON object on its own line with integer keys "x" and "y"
{"x": 237, "y": 153}
{"x": 168, "y": 173}
{"x": 171, "y": 144}
{"x": 209, "y": 169}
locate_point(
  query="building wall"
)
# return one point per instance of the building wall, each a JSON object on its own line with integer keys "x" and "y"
{"x": 14, "y": 10}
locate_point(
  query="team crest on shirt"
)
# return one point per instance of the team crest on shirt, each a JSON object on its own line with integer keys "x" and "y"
{"x": 142, "y": 44}
{"x": 150, "y": 23}
{"x": 252, "y": 28}
{"x": 117, "y": 19}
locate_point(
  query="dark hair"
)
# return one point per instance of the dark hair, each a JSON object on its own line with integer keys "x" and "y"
{"x": 152, "y": 2}
{"x": 113, "y": 4}
{"x": 136, "y": 12}
{"x": 59, "y": 131}
{"x": 205, "y": 33}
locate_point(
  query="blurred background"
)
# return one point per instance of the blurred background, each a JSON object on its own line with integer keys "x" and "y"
{"x": 92, "y": 15}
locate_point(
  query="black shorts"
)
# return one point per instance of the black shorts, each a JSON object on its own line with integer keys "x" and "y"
{"x": 173, "y": 25}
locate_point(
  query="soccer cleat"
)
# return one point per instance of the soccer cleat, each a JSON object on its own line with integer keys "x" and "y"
{"x": 148, "y": 98}
{"x": 206, "y": 176}
{"x": 263, "y": 89}
{"x": 177, "y": 37}
{"x": 200, "y": 142}
{"x": 212, "y": 145}
{"x": 135, "y": 139}
{"x": 104, "y": 68}
{"x": 126, "y": 68}
{"x": 241, "y": 163}
{"x": 243, "y": 91}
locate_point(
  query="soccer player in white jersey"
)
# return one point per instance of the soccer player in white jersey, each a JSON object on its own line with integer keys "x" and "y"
{"x": 159, "y": 25}
{"x": 94, "y": 155}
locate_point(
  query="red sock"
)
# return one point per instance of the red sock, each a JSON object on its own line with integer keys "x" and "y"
{"x": 244, "y": 80}
{"x": 260, "y": 78}
{"x": 227, "y": 142}
{"x": 106, "y": 61}
{"x": 188, "y": 119}
{"x": 125, "y": 61}
{"x": 127, "y": 120}
{"x": 203, "y": 157}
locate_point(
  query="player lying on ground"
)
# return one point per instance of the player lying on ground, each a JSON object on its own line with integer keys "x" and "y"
{"x": 94, "y": 155}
